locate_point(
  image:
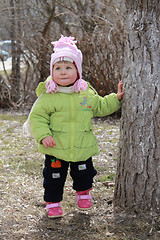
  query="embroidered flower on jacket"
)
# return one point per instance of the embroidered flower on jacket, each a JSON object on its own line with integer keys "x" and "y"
{"x": 85, "y": 104}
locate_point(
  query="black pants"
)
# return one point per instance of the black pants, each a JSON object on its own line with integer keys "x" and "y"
{"x": 82, "y": 174}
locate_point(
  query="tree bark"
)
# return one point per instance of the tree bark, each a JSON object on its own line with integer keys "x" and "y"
{"x": 137, "y": 186}
{"x": 15, "y": 50}
{"x": 43, "y": 50}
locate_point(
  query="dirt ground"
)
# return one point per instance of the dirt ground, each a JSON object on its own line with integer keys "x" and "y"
{"x": 23, "y": 214}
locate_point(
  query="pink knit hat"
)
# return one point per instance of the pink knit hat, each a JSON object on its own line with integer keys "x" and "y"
{"x": 65, "y": 48}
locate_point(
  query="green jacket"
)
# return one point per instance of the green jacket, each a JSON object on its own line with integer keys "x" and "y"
{"x": 67, "y": 118}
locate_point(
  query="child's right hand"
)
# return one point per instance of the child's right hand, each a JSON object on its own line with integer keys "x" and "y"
{"x": 48, "y": 142}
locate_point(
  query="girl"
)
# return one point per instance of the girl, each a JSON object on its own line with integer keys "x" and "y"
{"x": 61, "y": 124}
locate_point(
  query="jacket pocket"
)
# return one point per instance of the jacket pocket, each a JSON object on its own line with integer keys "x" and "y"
{"x": 85, "y": 139}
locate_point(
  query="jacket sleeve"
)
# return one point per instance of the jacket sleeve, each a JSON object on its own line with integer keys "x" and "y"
{"x": 106, "y": 105}
{"x": 39, "y": 120}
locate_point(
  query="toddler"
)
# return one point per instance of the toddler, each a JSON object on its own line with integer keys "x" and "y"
{"x": 60, "y": 122}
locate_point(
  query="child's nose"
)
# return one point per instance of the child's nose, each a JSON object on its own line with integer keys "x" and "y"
{"x": 63, "y": 71}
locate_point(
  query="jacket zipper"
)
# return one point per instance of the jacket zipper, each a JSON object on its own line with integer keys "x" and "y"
{"x": 72, "y": 126}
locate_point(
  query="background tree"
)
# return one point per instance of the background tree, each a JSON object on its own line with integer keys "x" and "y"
{"x": 97, "y": 25}
{"x": 99, "y": 29}
{"x": 138, "y": 175}
{"x": 15, "y": 33}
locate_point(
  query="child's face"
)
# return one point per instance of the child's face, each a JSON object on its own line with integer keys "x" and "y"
{"x": 64, "y": 73}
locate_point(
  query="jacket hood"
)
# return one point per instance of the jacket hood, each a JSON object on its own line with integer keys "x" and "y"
{"x": 41, "y": 89}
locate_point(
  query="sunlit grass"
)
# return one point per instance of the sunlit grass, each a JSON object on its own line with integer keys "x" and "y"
{"x": 18, "y": 152}
{"x": 11, "y": 117}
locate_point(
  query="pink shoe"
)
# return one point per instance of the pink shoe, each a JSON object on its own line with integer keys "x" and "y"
{"x": 54, "y": 210}
{"x": 83, "y": 199}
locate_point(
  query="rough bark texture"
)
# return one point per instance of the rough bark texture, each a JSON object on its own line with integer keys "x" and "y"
{"x": 15, "y": 50}
{"x": 138, "y": 175}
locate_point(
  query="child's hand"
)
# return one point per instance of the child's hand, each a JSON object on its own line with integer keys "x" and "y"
{"x": 48, "y": 142}
{"x": 120, "y": 93}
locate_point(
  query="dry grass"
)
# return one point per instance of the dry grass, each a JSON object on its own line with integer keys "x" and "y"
{"x": 23, "y": 214}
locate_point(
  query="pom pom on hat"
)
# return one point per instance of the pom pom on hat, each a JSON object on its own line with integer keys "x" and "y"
{"x": 63, "y": 41}
{"x": 80, "y": 85}
{"x": 51, "y": 87}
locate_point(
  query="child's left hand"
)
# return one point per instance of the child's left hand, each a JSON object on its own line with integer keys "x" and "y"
{"x": 120, "y": 93}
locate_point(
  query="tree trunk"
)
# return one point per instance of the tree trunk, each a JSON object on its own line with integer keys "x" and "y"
{"x": 137, "y": 185}
{"x": 15, "y": 50}
{"x": 43, "y": 50}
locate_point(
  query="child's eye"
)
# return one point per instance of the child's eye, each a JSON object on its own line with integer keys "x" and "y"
{"x": 68, "y": 67}
{"x": 58, "y": 68}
